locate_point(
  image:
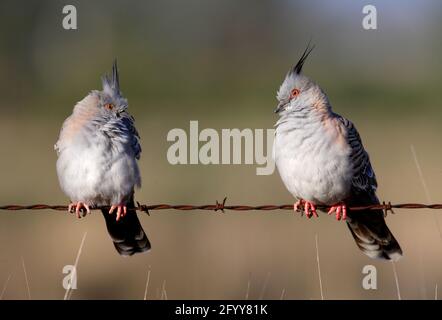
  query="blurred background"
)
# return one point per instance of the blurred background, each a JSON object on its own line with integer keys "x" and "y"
{"x": 221, "y": 63}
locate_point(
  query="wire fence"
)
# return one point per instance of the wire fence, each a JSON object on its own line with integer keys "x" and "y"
{"x": 222, "y": 206}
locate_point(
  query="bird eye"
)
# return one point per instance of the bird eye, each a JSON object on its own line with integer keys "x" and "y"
{"x": 295, "y": 92}
{"x": 109, "y": 106}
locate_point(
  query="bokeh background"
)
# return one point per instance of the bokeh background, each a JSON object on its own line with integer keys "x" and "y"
{"x": 218, "y": 62}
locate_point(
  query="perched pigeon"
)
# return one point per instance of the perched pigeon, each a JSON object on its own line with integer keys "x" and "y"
{"x": 321, "y": 160}
{"x": 97, "y": 149}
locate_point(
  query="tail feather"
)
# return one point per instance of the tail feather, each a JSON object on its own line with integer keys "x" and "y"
{"x": 127, "y": 233}
{"x": 372, "y": 235}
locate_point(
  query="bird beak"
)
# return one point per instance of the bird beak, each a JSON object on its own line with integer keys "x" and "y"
{"x": 280, "y": 107}
{"x": 120, "y": 112}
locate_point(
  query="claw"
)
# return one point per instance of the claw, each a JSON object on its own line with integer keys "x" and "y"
{"x": 339, "y": 208}
{"x": 297, "y": 205}
{"x": 121, "y": 210}
{"x": 78, "y": 209}
{"x": 309, "y": 208}
{"x": 306, "y": 210}
{"x": 313, "y": 208}
{"x": 118, "y": 213}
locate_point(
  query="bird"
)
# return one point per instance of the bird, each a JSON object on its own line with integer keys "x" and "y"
{"x": 98, "y": 148}
{"x": 322, "y": 162}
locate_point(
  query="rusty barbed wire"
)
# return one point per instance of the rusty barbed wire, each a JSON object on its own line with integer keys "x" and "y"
{"x": 221, "y": 206}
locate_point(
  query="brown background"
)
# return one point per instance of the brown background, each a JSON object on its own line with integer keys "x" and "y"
{"x": 220, "y": 63}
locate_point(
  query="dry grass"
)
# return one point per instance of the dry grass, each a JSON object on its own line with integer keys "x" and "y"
{"x": 28, "y": 289}
{"x": 396, "y": 279}
{"x": 147, "y": 283}
{"x": 5, "y": 286}
{"x": 319, "y": 267}
{"x": 264, "y": 286}
{"x": 248, "y": 286}
{"x": 282, "y": 294}
{"x": 69, "y": 291}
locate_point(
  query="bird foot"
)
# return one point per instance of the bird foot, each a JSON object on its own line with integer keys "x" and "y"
{"x": 79, "y": 207}
{"x": 340, "y": 209}
{"x": 309, "y": 208}
{"x": 121, "y": 210}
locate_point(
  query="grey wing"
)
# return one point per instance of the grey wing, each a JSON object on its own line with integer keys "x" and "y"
{"x": 135, "y": 137}
{"x": 368, "y": 227}
{"x": 364, "y": 178}
{"x": 123, "y": 130}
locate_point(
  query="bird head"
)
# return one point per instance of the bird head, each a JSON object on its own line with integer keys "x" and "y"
{"x": 298, "y": 93}
{"x": 111, "y": 101}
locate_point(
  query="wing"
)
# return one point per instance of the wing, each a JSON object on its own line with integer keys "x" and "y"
{"x": 135, "y": 137}
{"x": 368, "y": 227}
{"x": 124, "y": 131}
{"x": 364, "y": 178}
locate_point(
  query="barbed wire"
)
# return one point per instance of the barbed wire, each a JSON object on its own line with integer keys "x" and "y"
{"x": 222, "y": 206}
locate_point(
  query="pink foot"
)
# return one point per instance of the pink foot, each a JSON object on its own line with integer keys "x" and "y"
{"x": 309, "y": 208}
{"x": 78, "y": 207}
{"x": 340, "y": 208}
{"x": 297, "y": 205}
{"x": 121, "y": 210}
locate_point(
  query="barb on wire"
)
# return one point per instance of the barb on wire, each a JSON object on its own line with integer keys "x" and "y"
{"x": 221, "y": 206}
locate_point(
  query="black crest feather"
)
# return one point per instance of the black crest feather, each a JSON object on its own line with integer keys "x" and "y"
{"x": 298, "y": 67}
{"x": 112, "y": 81}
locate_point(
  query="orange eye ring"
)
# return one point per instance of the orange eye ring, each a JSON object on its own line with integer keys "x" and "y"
{"x": 109, "y": 106}
{"x": 294, "y": 93}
